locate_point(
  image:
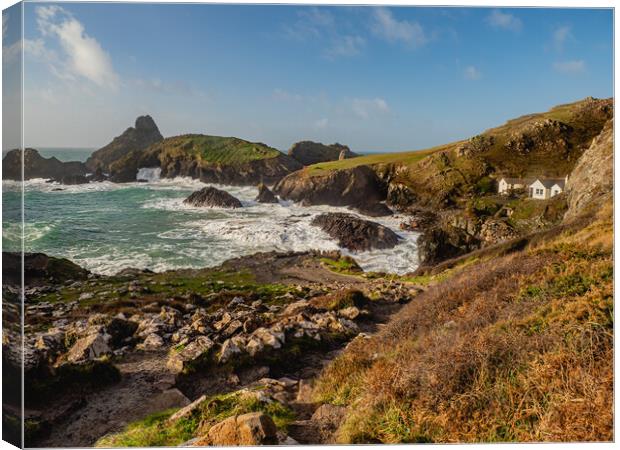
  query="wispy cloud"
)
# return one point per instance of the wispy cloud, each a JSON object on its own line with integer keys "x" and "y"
{"x": 560, "y": 36}
{"x": 82, "y": 55}
{"x": 505, "y": 21}
{"x": 311, "y": 24}
{"x": 570, "y": 67}
{"x": 364, "y": 108}
{"x": 345, "y": 46}
{"x": 472, "y": 73}
{"x": 386, "y": 26}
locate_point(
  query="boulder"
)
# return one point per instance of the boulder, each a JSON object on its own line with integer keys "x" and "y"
{"x": 265, "y": 195}
{"x": 180, "y": 361}
{"x": 213, "y": 198}
{"x": 254, "y": 428}
{"x": 39, "y": 269}
{"x": 344, "y": 187}
{"x": 354, "y": 233}
{"x": 308, "y": 152}
{"x": 230, "y": 348}
{"x": 90, "y": 347}
{"x": 152, "y": 342}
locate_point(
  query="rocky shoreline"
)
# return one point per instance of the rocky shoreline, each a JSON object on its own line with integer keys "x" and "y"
{"x": 88, "y": 344}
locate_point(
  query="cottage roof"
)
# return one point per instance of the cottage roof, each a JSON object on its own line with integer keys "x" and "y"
{"x": 524, "y": 181}
{"x": 550, "y": 182}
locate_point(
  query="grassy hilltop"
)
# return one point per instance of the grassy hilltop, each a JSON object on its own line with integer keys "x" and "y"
{"x": 216, "y": 149}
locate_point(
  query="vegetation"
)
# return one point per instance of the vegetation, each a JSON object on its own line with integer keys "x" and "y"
{"x": 345, "y": 265}
{"x": 157, "y": 430}
{"x": 518, "y": 347}
{"x": 217, "y": 149}
{"x": 404, "y": 158}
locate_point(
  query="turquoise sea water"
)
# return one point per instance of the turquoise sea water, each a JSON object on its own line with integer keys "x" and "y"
{"x": 107, "y": 227}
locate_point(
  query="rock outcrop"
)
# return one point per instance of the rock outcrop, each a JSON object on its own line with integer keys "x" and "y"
{"x": 308, "y": 152}
{"x": 265, "y": 195}
{"x": 36, "y": 166}
{"x": 211, "y": 159}
{"x": 354, "y": 233}
{"x": 591, "y": 182}
{"x": 38, "y": 269}
{"x": 213, "y": 198}
{"x": 345, "y": 187}
{"x": 247, "y": 429}
{"x": 136, "y": 138}
{"x": 373, "y": 209}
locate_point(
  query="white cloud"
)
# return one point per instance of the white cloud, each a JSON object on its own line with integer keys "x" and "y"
{"x": 472, "y": 73}
{"x": 321, "y": 123}
{"x": 387, "y": 27}
{"x": 345, "y": 46}
{"x": 312, "y": 24}
{"x": 560, "y": 36}
{"x": 570, "y": 67}
{"x": 82, "y": 55}
{"x": 364, "y": 108}
{"x": 506, "y": 21}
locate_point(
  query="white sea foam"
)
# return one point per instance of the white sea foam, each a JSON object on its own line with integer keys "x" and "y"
{"x": 149, "y": 174}
{"x": 209, "y": 236}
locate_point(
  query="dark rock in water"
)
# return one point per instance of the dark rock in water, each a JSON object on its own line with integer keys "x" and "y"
{"x": 354, "y": 233}
{"x": 36, "y": 166}
{"x": 139, "y": 137}
{"x": 74, "y": 179}
{"x": 98, "y": 176}
{"x": 337, "y": 188}
{"x": 265, "y": 195}
{"x": 308, "y": 152}
{"x": 39, "y": 269}
{"x": 373, "y": 209}
{"x": 212, "y": 197}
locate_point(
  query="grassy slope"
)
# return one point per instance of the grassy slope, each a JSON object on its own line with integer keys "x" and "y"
{"x": 584, "y": 128}
{"x": 513, "y": 348}
{"x": 370, "y": 160}
{"x": 217, "y": 149}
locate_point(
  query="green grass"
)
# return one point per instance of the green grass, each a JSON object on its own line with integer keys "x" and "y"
{"x": 155, "y": 430}
{"x": 405, "y": 158}
{"x": 218, "y": 149}
{"x": 344, "y": 265}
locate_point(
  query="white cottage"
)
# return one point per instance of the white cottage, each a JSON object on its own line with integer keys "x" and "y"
{"x": 543, "y": 188}
{"x": 538, "y": 188}
{"x": 506, "y": 185}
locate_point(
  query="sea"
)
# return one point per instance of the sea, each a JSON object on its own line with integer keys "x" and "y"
{"x": 106, "y": 227}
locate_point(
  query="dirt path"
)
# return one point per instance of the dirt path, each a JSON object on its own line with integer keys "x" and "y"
{"x": 139, "y": 393}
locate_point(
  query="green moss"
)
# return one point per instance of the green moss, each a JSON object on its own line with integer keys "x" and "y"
{"x": 345, "y": 265}
{"x": 152, "y": 431}
{"x": 155, "y": 430}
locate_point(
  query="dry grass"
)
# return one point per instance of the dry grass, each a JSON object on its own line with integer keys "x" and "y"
{"x": 516, "y": 348}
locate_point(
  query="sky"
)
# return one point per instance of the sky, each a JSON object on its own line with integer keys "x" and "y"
{"x": 374, "y": 78}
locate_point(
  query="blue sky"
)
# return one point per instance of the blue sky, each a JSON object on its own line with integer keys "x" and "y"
{"x": 377, "y": 79}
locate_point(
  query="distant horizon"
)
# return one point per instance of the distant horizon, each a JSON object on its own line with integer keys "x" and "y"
{"x": 370, "y": 77}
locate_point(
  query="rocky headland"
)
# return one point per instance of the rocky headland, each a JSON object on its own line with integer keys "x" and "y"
{"x": 308, "y": 152}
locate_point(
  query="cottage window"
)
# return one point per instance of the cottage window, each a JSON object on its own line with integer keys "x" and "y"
{"x": 539, "y": 191}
